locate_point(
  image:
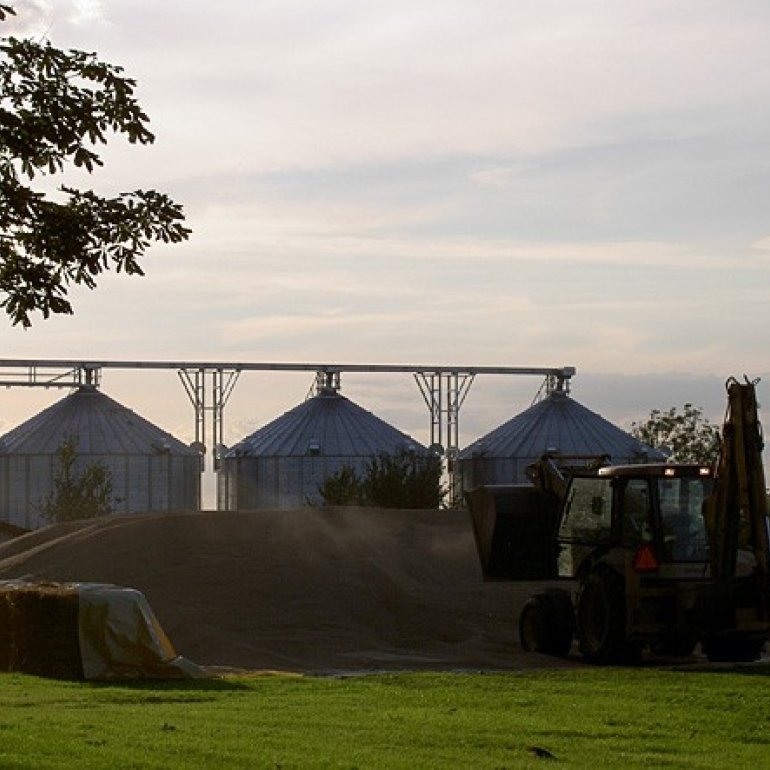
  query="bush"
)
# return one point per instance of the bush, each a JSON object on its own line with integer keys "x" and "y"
{"x": 74, "y": 496}
{"x": 341, "y": 488}
{"x": 403, "y": 480}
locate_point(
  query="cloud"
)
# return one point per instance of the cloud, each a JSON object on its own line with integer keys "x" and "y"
{"x": 44, "y": 19}
{"x": 85, "y": 11}
{"x": 295, "y": 86}
{"x": 32, "y": 19}
{"x": 500, "y": 177}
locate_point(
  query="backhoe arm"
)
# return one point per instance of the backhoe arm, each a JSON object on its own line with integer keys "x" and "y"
{"x": 736, "y": 512}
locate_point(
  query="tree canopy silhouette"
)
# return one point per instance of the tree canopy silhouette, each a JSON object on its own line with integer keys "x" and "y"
{"x": 56, "y": 108}
{"x": 685, "y": 435}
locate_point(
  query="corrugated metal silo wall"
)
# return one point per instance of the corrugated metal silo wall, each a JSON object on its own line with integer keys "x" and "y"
{"x": 248, "y": 483}
{"x": 139, "y": 483}
{"x": 162, "y": 482}
{"x": 25, "y": 482}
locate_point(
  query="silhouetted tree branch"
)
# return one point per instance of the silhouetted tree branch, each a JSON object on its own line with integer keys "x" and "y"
{"x": 56, "y": 108}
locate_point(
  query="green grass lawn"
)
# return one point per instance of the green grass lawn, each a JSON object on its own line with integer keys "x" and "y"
{"x": 585, "y": 717}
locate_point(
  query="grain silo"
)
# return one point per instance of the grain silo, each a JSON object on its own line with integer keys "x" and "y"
{"x": 557, "y": 424}
{"x": 150, "y": 470}
{"x": 283, "y": 463}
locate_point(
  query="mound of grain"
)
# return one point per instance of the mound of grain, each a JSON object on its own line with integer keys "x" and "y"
{"x": 306, "y": 590}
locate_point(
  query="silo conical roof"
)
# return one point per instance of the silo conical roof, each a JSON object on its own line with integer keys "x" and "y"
{"x": 558, "y": 423}
{"x": 326, "y": 424}
{"x": 100, "y": 425}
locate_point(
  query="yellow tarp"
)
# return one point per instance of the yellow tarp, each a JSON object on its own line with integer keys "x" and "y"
{"x": 120, "y": 637}
{"x": 104, "y": 631}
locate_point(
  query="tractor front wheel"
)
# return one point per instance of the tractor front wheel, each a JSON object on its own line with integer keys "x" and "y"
{"x": 601, "y": 619}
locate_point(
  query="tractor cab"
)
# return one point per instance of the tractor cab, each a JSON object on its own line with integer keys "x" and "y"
{"x": 652, "y": 514}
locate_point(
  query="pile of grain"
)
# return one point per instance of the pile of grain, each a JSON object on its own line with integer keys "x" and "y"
{"x": 318, "y": 590}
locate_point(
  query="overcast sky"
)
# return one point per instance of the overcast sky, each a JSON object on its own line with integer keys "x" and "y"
{"x": 528, "y": 183}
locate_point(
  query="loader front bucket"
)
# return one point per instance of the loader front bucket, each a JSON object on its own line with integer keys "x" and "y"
{"x": 515, "y": 530}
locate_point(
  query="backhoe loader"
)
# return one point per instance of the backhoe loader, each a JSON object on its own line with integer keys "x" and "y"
{"x": 661, "y": 556}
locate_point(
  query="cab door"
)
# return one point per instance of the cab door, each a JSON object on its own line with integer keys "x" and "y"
{"x": 586, "y": 522}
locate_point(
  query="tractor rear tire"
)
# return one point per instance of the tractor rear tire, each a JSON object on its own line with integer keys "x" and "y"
{"x": 545, "y": 625}
{"x": 601, "y": 619}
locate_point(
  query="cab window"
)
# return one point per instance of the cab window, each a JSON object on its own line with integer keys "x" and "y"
{"x": 588, "y": 511}
{"x": 636, "y": 525}
{"x": 682, "y": 521}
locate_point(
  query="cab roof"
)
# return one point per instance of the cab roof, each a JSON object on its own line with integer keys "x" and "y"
{"x": 658, "y": 469}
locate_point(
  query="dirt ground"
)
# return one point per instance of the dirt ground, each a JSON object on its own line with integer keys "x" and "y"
{"x": 309, "y": 590}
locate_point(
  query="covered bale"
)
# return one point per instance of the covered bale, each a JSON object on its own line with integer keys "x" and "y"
{"x": 39, "y": 630}
{"x": 84, "y": 631}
